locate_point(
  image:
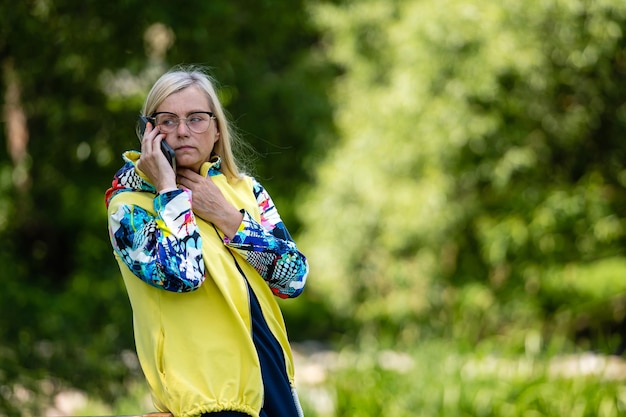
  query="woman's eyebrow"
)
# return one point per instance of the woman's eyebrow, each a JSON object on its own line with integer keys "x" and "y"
{"x": 191, "y": 112}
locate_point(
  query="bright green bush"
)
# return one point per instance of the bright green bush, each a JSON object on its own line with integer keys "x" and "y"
{"x": 479, "y": 161}
{"x": 438, "y": 381}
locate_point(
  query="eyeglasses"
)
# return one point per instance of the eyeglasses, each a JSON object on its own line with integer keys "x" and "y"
{"x": 197, "y": 122}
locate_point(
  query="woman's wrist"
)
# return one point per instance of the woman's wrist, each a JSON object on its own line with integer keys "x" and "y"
{"x": 165, "y": 186}
{"x": 167, "y": 190}
{"x": 229, "y": 223}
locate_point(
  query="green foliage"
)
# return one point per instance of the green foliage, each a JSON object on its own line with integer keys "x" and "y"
{"x": 437, "y": 380}
{"x": 76, "y": 74}
{"x": 481, "y": 159}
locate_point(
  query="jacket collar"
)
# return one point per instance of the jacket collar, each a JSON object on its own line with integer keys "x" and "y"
{"x": 130, "y": 178}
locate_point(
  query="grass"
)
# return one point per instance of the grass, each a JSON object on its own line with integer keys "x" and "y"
{"x": 435, "y": 380}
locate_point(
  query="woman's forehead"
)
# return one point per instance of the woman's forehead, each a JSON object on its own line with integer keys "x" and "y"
{"x": 185, "y": 101}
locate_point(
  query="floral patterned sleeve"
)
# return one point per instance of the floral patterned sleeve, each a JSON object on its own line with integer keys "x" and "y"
{"x": 269, "y": 248}
{"x": 163, "y": 250}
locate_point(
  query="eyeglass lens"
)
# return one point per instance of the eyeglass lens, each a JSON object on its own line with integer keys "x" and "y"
{"x": 196, "y": 122}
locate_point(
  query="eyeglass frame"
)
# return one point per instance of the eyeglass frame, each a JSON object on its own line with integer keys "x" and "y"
{"x": 211, "y": 117}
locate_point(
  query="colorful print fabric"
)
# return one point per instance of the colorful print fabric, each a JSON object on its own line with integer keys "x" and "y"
{"x": 269, "y": 248}
{"x": 163, "y": 250}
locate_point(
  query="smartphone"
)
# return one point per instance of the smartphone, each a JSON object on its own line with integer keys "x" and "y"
{"x": 167, "y": 150}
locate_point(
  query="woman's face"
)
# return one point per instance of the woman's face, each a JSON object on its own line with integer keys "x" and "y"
{"x": 192, "y": 149}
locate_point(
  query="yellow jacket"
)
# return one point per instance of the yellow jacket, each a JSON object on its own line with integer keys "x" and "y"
{"x": 195, "y": 348}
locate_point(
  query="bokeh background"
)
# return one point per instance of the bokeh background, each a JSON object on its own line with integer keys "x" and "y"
{"x": 455, "y": 172}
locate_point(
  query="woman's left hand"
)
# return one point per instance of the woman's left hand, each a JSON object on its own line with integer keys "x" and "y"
{"x": 208, "y": 202}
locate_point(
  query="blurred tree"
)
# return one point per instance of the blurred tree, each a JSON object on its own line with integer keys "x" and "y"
{"x": 73, "y": 79}
{"x": 481, "y": 161}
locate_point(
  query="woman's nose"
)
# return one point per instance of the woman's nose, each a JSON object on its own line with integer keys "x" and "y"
{"x": 182, "y": 124}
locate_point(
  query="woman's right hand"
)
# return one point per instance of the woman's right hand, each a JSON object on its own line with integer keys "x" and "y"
{"x": 153, "y": 163}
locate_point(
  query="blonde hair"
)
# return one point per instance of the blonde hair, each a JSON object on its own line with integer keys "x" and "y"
{"x": 179, "y": 78}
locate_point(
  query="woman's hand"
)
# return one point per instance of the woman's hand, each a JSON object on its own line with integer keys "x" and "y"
{"x": 153, "y": 163}
{"x": 208, "y": 202}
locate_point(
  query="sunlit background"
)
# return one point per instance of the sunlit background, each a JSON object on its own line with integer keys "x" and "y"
{"x": 455, "y": 172}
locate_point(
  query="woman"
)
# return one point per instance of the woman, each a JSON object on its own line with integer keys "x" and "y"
{"x": 203, "y": 254}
